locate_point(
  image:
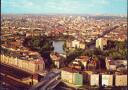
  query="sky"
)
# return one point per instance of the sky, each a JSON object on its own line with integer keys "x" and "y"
{"x": 64, "y": 6}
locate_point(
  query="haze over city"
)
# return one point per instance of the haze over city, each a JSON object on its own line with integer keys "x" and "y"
{"x": 109, "y": 7}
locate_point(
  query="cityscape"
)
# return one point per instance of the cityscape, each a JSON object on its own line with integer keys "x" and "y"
{"x": 63, "y": 45}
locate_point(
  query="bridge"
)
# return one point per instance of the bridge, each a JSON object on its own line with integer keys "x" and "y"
{"x": 50, "y": 81}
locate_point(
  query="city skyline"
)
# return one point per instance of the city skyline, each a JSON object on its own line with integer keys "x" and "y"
{"x": 112, "y": 7}
{"x": 63, "y": 45}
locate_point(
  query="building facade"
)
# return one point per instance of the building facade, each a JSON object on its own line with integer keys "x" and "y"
{"x": 72, "y": 77}
{"x": 29, "y": 66}
{"x": 100, "y": 43}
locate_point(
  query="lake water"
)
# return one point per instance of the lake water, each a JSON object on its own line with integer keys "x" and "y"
{"x": 58, "y": 46}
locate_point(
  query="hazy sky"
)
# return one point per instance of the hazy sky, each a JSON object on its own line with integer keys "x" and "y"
{"x": 65, "y": 6}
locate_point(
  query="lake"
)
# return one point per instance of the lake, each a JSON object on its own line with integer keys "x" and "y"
{"x": 58, "y": 46}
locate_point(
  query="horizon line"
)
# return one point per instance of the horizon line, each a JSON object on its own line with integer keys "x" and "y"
{"x": 96, "y": 14}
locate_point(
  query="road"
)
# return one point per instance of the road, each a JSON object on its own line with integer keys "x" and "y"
{"x": 14, "y": 83}
{"x": 47, "y": 80}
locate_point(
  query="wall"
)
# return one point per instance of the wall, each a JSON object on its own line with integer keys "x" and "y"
{"x": 120, "y": 80}
{"x": 107, "y": 80}
{"x": 94, "y": 79}
{"x": 73, "y": 78}
{"x": 26, "y": 65}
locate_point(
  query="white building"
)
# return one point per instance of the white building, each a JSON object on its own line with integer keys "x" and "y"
{"x": 94, "y": 79}
{"x": 91, "y": 78}
{"x": 100, "y": 43}
{"x": 115, "y": 64}
{"x": 107, "y": 80}
{"x": 120, "y": 80}
{"x": 72, "y": 76}
{"x": 110, "y": 64}
{"x": 75, "y": 44}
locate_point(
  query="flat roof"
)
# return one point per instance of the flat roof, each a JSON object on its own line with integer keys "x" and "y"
{"x": 72, "y": 70}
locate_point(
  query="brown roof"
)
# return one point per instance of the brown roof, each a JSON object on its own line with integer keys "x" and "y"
{"x": 83, "y": 58}
{"x": 72, "y": 70}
